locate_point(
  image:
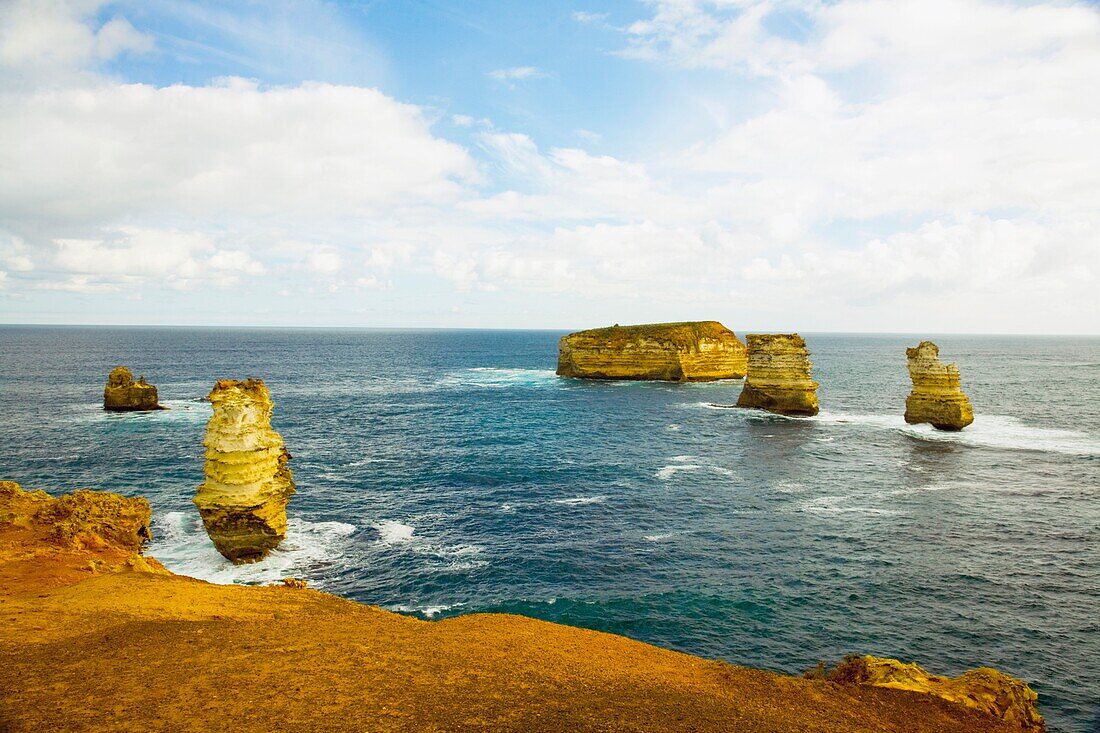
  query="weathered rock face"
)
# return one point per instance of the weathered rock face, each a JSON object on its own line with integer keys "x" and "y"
{"x": 936, "y": 397}
{"x": 46, "y": 541}
{"x": 248, "y": 484}
{"x": 995, "y": 693}
{"x": 778, "y": 378}
{"x": 694, "y": 351}
{"x": 123, "y": 394}
{"x": 80, "y": 520}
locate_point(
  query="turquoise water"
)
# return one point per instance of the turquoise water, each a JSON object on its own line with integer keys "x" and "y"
{"x": 446, "y": 472}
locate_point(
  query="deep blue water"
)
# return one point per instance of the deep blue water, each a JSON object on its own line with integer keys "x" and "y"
{"x": 445, "y": 472}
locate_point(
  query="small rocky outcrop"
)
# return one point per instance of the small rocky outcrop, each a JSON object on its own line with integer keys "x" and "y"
{"x": 80, "y": 520}
{"x": 248, "y": 483}
{"x": 778, "y": 377}
{"x": 936, "y": 397}
{"x": 994, "y": 693}
{"x": 123, "y": 394}
{"x": 693, "y": 351}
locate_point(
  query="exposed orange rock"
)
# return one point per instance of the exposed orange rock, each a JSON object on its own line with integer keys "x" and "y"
{"x": 123, "y": 394}
{"x": 993, "y": 693}
{"x": 692, "y": 351}
{"x": 117, "y": 650}
{"x": 57, "y": 540}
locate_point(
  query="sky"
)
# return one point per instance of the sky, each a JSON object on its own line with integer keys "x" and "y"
{"x": 917, "y": 166}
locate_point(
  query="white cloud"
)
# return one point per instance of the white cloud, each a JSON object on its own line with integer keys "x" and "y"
{"x": 138, "y": 256}
{"x": 569, "y": 184}
{"x": 370, "y": 282}
{"x": 229, "y": 149}
{"x": 79, "y": 284}
{"x": 517, "y": 73}
{"x": 236, "y": 261}
{"x": 61, "y": 34}
{"x": 583, "y": 16}
{"x": 866, "y": 165}
{"x": 15, "y": 254}
{"x": 324, "y": 262}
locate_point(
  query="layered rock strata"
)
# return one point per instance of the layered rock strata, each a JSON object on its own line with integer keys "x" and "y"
{"x": 123, "y": 394}
{"x": 248, "y": 483}
{"x": 985, "y": 689}
{"x": 778, "y": 377}
{"x": 693, "y": 351}
{"x": 936, "y": 397}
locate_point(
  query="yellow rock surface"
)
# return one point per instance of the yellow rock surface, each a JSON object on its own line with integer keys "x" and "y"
{"x": 248, "y": 484}
{"x": 123, "y": 394}
{"x": 778, "y": 377}
{"x": 936, "y": 397}
{"x": 985, "y": 689}
{"x": 693, "y": 351}
{"x": 56, "y": 539}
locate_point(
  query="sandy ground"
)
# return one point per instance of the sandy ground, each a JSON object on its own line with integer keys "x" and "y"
{"x": 119, "y": 649}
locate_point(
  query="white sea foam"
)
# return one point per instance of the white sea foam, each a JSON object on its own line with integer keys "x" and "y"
{"x": 498, "y": 378}
{"x": 580, "y": 500}
{"x": 179, "y": 411}
{"x": 182, "y": 545}
{"x": 398, "y": 537}
{"x": 658, "y": 537}
{"x": 987, "y": 431}
{"x": 666, "y": 472}
{"x": 837, "y": 505}
{"x": 429, "y": 611}
{"x": 391, "y": 532}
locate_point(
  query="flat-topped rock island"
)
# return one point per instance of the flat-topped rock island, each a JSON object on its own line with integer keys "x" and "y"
{"x": 690, "y": 351}
{"x": 123, "y": 394}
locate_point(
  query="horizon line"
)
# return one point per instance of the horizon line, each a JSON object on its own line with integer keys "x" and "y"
{"x": 504, "y": 328}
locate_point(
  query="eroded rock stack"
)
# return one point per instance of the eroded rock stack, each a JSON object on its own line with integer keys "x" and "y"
{"x": 936, "y": 397}
{"x": 693, "y": 351}
{"x": 778, "y": 378}
{"x": 248, "y": 483}
{"x": 994, "y": 693}
{"x": 123, "y": 394}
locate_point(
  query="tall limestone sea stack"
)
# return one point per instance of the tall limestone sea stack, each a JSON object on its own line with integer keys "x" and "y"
{"x": 248, "y": 483}
{"x": 779, "y": 375}
{"x": 123, "y": 394}
{"x": 937, "y": 397}
{"x": 692, "y": 351}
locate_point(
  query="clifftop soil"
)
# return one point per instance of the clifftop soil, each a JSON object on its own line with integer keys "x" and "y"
{"x": 97, "y": 638}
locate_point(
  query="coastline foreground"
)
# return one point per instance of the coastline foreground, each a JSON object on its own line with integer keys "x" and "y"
{"x": 101, "y": 638}
{"x": 452, "y": 473}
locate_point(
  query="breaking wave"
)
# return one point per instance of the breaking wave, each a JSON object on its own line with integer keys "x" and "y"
{"x": 182, "y": 545}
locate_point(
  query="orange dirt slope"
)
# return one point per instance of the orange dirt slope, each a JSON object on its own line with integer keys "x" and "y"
{"x": 96, "y": 638}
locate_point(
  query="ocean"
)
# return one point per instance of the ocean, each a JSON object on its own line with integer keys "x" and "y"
{"x": 451, "y": 472}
